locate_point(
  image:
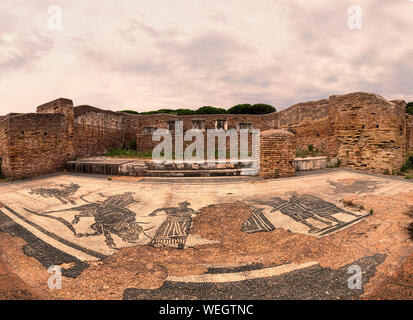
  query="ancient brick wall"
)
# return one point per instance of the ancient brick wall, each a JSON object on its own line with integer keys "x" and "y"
{"x": 33, "y": 144}
{"x": 145, "y": 143}
{"x": 371, "y": 131}
{"x": 4, "y": 151}
{"x": 277, "y": 153}
{"x": 317, "y": 133}
{"x": 307, "y": 111}
{"x": 161, "y": 121}
{"x": 310, "y": 123}
{"x": 409, "y": 133}
{"x": 65, "y": 107}
{"x": 261, "y": 122}
{"x": 97, "y": 131}
{"x": 364, "y": 130}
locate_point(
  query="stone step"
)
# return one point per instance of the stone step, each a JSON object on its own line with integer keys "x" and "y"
{"x": 193, "y": 173}
{"x": 145, "y": 169}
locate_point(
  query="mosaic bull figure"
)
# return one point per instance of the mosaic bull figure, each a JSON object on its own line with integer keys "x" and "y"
{"x": 111, "y": 217}
{"x": 63, "y": 194}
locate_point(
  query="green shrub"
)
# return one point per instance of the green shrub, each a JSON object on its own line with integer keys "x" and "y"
{"x": 132, "y": 145}
{"x": 408, "y": 163}
{"x": 409, "y": 108}
{"x": 310, "y": 151}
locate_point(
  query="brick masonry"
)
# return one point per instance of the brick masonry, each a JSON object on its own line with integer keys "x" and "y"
{"x": 277, "y": 153}
{"x": 370, "y": 130}
{"x": 365, "y": 131}
{"x": 409, "y": 133}
{"x": 34, "y": 144}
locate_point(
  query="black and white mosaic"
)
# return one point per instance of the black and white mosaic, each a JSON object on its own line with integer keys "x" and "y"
{"x": 320, "y": 217}
{"x": 63, "y": 193}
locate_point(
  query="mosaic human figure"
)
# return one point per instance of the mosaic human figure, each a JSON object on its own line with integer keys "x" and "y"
{"x": 258, "y": 222}
{"x": 176, "y": 228}
{"x": 301, "y": 208}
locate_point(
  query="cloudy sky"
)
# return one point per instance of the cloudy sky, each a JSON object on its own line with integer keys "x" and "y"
{"x": 147, "y": 54}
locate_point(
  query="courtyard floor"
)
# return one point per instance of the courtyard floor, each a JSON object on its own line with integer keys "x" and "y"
{"x": 209, "y": 238}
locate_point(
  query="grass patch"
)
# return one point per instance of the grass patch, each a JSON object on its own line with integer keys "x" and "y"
{"x": 337, "y": 164}
{"x": 351, "y": 204}
{"x": 408, "y": 163}
{"x": 310, "y": 151}
{"x": 129, "y": 153}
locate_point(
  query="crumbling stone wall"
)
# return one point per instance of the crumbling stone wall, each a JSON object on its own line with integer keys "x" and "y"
{"x": 307, "y": 111}
{"x": 317, "y": 133}
{"x": 364, "y": 130}
{"x": 262, "y": 122}
{"x": 310, "y": 123}
{"x": 65, "y": 107}
{"x": 4, "y": 141}
{"x": 97, "y": 131}
{"x": 409, "y": 133}
{"x": 162, "y": 121}
{"x": 277, "y": 153}
{"x": 145, "y": 143}
{"x": 33, "y": 144}
{"x": 371, "y": 131}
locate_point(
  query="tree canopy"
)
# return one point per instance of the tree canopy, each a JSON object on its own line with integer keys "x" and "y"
{"x": 259, "y": 108}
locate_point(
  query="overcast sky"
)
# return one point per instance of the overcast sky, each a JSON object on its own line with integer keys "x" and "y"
{"x": 142, "y": 55}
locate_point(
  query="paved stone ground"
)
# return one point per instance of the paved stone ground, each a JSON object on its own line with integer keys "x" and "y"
{"x": 222, "y": 238}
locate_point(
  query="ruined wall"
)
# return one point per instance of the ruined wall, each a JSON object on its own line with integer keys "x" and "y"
{"x": 97, "y": 131}
{"x": 4, "y": 141}
{"x": 65, "y": 107}
{"x": 364, "y": 130}
{"x": 277, "y": 153}
{"x": 145, "y": 143}
{"x": 307, "y": 111}
{"x": 409, "y": 133}
{"x": 317, "y": 133}
{"x": 262, "y": 122}
{"x": 371, "y": 131}
{"x": 160, "y": 121}
{"x": 310, "y": 123}
{"x": 33, "y": 144}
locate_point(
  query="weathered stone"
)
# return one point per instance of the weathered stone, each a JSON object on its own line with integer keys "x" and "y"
{"x": 364, "y": 131}
{"x": 277, "y": 152}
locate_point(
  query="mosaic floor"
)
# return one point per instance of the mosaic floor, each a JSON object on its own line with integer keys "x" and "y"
{"x": 201, "y": 239}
